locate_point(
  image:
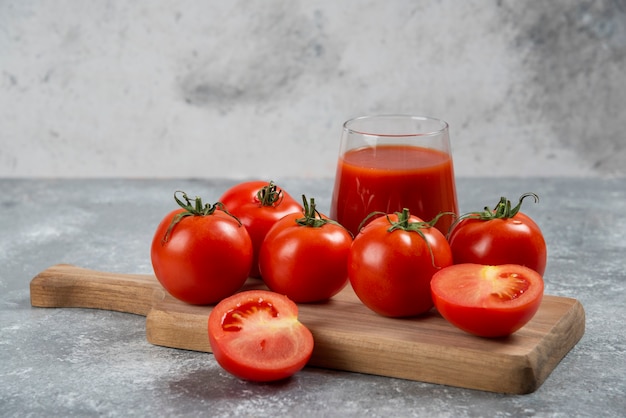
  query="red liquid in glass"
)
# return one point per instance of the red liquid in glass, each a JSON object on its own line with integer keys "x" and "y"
{"x": 389, "y": 178}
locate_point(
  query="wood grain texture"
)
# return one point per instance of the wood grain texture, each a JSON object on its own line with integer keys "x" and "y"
{"x": 348, "y": 336}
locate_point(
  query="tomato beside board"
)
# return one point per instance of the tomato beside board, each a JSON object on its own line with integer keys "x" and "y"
{"x": 258, "y": 205}
{"x": 200, "y": 254}
{"x": 392, "y": 261}
{"x": 488, "y": 301}
{"x": 503, "y": 235}
{"x": 256, "y": 335}
{"x": 304, "y": 256}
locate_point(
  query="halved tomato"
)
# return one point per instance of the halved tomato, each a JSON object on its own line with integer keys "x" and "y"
{"x": 488, "y": 301}
{"x": 255, "y": 335}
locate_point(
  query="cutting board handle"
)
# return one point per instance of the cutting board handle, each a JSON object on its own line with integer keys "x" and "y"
{"x": 68, "y": 286}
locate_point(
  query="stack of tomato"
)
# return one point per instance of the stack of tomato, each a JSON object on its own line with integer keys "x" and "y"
{"x": 485, "y": 277}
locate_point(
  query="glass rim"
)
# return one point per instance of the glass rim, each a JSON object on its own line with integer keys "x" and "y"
{"x": 443, "y": 125}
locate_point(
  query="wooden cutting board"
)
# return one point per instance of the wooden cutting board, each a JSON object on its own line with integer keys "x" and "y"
{"x": 348, "y": 336}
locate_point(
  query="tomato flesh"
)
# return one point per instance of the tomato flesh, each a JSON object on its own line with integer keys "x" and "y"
{"x": 237, "y": 318}
{"x": 256, "y": 335}
{"x": 488, "y": 301}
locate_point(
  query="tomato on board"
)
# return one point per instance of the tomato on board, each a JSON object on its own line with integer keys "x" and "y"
{"x": 392, "y": 261}
{"x": 503, "y": 235}
{"x": 200, "y": 254}
{"x": 255, "y": 335}
{"x": 258, "y": 205}
{"x": 488, "y": 301}
{"x": 305, "y": 255}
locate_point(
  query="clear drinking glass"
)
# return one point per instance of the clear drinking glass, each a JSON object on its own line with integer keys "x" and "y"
{"x": 390, "y": 162}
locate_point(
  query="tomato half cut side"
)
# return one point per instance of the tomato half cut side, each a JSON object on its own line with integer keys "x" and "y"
{"x": 488, "y": 301}
{"x": 256, "y": 335}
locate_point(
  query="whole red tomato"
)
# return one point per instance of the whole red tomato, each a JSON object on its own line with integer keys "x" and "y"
{"x": 392, "y": 261}
{"x": 256, "y": 335}
{"x": 201, "y": 254}
{"x": 503, "y": 235}
{"x": 488, "y": 301}
{"x": 258, "y": 205}
{"x": 304, "y": 256}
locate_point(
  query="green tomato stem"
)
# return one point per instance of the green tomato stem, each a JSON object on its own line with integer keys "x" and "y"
{"x": 270, "y": 195}
{"x": 502, "y": 210}
{"x": 404, "y": 224}
{"x": 194, "y": 209}
{"x": 312, "y": 218}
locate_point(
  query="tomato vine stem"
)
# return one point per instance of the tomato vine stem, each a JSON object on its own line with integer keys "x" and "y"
{"x": 502, "y": 210}
{"x": 312, "y": 217}
{"x": 197, "y": 208}
{"x": 404, "y": 224}
{"x": 270, "y": 195}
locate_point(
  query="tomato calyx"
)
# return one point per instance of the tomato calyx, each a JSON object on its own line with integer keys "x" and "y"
{"x": 403, "y": 221}
{"x": 197, "y": 208}
{"x": 312, "y": 217}
{"x": 270, "y": 195}
{"x": 404, "y": 224}
{"x": 503, "y": 210}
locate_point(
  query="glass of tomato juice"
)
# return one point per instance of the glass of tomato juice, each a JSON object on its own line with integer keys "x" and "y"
{"x": 391, "y": 162}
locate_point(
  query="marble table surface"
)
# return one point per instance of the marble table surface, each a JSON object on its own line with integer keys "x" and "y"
{"x": 82, "y": 362}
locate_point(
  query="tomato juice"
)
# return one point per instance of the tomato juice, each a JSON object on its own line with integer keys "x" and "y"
{"x": 388, "y": 178}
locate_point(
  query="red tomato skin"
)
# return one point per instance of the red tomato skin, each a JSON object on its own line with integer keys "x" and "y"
{"x": 241, "y": 200}
{"x": 486, "y": 317}
{"x": 516, "y": 240}
{"x": 205, "y": 259}
{"x": 242, "y": 354}
{"x": 305, "y": 263}
{"x": 390, "y": 272}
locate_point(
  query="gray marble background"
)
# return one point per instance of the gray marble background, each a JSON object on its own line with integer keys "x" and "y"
{"x": 260, "y": 89}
